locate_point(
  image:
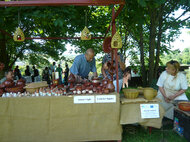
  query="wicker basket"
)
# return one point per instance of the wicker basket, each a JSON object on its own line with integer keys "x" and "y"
{"x": 31, "y": 90}
{"x": 131, "y": 93}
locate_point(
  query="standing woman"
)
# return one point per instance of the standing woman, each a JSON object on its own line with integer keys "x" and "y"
{"x": 172, "y": 86}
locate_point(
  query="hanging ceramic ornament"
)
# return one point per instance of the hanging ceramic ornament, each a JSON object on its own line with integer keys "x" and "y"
{"x": 116, "y": 41}
{"x": 85, "y": 34}
{"x": 19, "y": 35}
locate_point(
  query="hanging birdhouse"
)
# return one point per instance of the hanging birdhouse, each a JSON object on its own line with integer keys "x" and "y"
{"x": 85, "y": 34}
{"x": 18, "y": 35}
{"x": 116, "y": 41}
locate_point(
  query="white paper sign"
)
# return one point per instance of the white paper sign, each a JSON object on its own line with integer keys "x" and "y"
{"x": 149, "y": 110}
{"x": 83, "y": 99}
{"x": 105, "y": 99}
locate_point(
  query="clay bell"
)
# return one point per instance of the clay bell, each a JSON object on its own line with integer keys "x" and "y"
{"x": 85, "y": 34}
{"x": 18, "y": 35}
{"x": 116, "y": 41}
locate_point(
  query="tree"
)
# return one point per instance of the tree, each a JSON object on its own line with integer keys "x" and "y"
{"x": 153, "y": 26}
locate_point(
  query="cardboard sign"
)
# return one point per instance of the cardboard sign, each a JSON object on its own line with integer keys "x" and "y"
{"x": 149, "y": 111}
{"x": 83, "y": 99}
{"x": 105, "y": 99}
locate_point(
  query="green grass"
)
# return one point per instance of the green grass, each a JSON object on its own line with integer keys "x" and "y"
{"x": 140, "y": 134}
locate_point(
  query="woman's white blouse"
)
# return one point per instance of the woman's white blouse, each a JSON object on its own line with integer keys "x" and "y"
{"x": 177, "y": 82}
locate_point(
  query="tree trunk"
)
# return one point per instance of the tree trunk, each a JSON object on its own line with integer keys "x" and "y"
{"x": 152, "y": 44}
{"x": 158, "y": 42}
{"x": 143, "y": 69}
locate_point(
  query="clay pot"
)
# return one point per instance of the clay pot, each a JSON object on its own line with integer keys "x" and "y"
{"x": 87, "y": 84}
{"x": 149, "y": 93}
{"x": 106, "y": 91}
{"x": 1, "y": 92}
{"x": 14, "y": 89}
{"x": 110, "y": 86}
{"x": 2, "y": 86}
{"x": 71, "y": 78}
{"x": 9, "y": 83}
{"x": 105, "y": 81}
{"x": 185, "y": 106}
{"x": 78, "y": 88}
{"x": 83, "y": 87}
{"x": 20, "y": 82}
{"x": 96, "y": 82}
{"x": 94, "y": 89}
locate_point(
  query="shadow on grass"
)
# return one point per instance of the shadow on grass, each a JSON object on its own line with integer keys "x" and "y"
{"x": 136, "y": 133}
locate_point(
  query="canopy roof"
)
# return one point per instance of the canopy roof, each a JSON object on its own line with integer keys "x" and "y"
{"x": 61, "y": 2}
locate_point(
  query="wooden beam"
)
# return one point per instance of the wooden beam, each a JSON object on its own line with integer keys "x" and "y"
{"x": 61, "y": 3}
{"x": 113, "y": 18}
{"x": 58, "y": 38}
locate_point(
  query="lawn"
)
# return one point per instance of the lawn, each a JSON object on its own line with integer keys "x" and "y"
{"x": 136, "y": 133}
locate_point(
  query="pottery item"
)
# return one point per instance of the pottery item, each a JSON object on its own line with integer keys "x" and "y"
{"x": 15, "y": 89}
{"x": 149, "y": 93}
{"x": 87, "y": 84}
{"x": 56, "y": 82}
{"x": 1, "y": 92}
{"x": 2, "y": 86}
{"x": 110, "y": 86}
{"x": 94, "y": 89}
{"x": 9, "y": 83}
{"x": 71, "y": 80}
{"x": 83, "y": 91}
{"x": 83, "y": 87}
{"x": 21, "y": 82}
{"x": 90, "y": 92}
{"x": 105, "y": 81}
{"x": 96, "y": 82}
{"x": 131, "y": 93}
{"x": 79, "y": 88}
{"x": 185, "y": 106}
{"x": 106, "y": 91}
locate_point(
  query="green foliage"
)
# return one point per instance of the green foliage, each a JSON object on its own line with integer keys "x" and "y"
{"x": 188, "y": 93}
{"x": 182, "y": 57}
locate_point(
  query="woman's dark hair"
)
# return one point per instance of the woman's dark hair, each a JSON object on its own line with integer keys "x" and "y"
{"x": 127, "y": 69}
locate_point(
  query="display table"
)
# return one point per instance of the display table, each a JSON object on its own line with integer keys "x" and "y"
{"x": 58, "y": 119}
{"x": 130, "y": 112}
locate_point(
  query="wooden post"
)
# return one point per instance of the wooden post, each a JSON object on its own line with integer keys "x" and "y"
{"x": 116, "y": 58}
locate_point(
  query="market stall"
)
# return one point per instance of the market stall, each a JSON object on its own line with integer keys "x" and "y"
{"x": 89, "y": 111}
{"x": 60, "y": 118}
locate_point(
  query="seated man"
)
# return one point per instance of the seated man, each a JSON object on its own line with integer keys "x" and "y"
{"x": 8, "y": 75}
{"x": 121, "y": 68}
{"x": 83, "y": 64}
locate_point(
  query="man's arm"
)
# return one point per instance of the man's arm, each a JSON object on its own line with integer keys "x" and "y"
{"x": 95, "y": 74}
{"x": 103, "y": 71}
{"x": 122, "y": 64}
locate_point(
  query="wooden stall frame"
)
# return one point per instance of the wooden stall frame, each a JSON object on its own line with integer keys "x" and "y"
{"x": 24, "y": 3}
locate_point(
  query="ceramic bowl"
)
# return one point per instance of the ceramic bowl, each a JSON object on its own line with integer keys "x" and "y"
{"x": 149, "y": 93}
{"x": 185, "y": 106}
